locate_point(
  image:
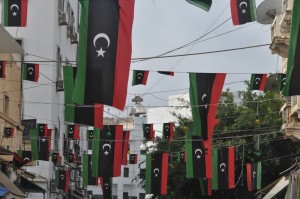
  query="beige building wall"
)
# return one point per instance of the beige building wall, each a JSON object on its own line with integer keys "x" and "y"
{"x": 11, "y": 102}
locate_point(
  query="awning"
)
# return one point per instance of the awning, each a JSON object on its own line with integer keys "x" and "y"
{"x": 13, "y": 189}
{"x": 8, "y": 44}
{"x": 283, "y": 182}
{"x": 28, "y": 186}
{"x": 5, "y": 154}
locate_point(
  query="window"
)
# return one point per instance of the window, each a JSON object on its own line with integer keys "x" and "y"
{"x": 125, "y": 195}
{"x": 126, "y": 172}
{"x": 6, "y": 104}
{"x": 20, "y": 41}
{"x": 60, "y": 5}
{"x": 141, "y": 195}
{"x": 58, "y": 65}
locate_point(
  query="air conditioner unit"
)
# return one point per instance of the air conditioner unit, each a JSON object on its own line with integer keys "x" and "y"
{"x": 70, "y": 31}
{"x": 74, "y": 175}
{"x": 53, "y": 188}
{"x": 60, "y": 85}
{"x": 74, "y": 38}
{"x": 63, "y": 19}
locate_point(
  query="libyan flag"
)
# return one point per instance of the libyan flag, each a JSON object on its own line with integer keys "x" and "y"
{"x": 2, "y": 69}
{"x": 139, "y": 77}
{"x": 106, "y": 185}
{"x": 107, "y": 150}
{"x": 205, "y": 186}
{"x": 166, "y": 73}
{"x": 157, "y": 173}
{"x": 8, "y": 132}
{"x": 223, "y": 169}
{"x": 242, "y": 11}
{"x": 204, "y": 4}
{"x": 91, "y": 115}
{"x": 205, "y": 91}
{"x": 181, "y": 156}
{"x": 30, "y": 72}
{"x": 125, "y": 147}
{"x": 133, "y": 158}
{"x": 293, "y": 64}
{"x": 73, "y": 131}
{"x": 15, "y": 13}
{"x": 40, "y": 145}
{"x": 281, "y": 80}
{"x": 168, "y": 131}
{"x": 62, "y": 178}
{"x": 258, "y": 81}
{"x": 88, "y": 179}
{"x": 253, "y": 176}
{"x": 148, "y": 131}
{"x": 104, "y": 52}
{"x": 43, "y": 129}
{"x": 55, "y": 158}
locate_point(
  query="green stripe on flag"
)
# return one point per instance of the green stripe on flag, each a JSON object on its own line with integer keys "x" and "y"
{"x": 134, "y": 78}
{"x": 202, "y": 187}
{"x": 57, "y": 178}
{"x": 5, "y": 21}
{"x": 148, "y": 173}
{"x": 215, "y": 178}
{"x": 96, "y": 151}
{"x": 19, "y": 153}
{"x": 34, "y": 143}
{"x": 259, "y": 172}
{"x": 79, "y": 89}
{"x": 199, "y": 4}
{"x": 253, "y": 10}
{"x": 24, "y": 71}
{"x": 252, "y": 81}
{"x": 69, "y": 88}
{"x": 194, "y": 101}
{"x": 189, "y": 156}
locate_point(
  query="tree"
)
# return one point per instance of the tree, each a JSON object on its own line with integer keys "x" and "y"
{"x": 253, "y": 127}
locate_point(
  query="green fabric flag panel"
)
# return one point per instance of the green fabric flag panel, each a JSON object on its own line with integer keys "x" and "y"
{"x": 203, "y": 4}
{"x": 293, "y": 65}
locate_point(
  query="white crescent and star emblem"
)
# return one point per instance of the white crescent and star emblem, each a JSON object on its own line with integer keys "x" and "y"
{"x": 30, "y": 70}
{"x": 26, "y": 159}
{"x": 156, "y": 172}
{"x": 257, "y": 80}
{"x": 106, "y": 152}
{"x": 182, "y": 155}
{"x": 98, "y": 36}
{"x": 139, "y": 75}
{"x": 204, "y": 100}
{"x": 223, "y": 167}
{"x": 106, "y": 185}
{"x": 71, "y": 130}
{"x": 43, "y": 139}
{"x": 14, "y": 6}
{"x": 167, "y": 128}
{"x": 147, "y": 129}
{"x": 7, "y": 131}
{"x": 62, "y": 176}
{"x": 283, "y": 81}
{"x": 198, "y": 155}
{"x": 254, "y": 174}
{"x": 246, "y": 6}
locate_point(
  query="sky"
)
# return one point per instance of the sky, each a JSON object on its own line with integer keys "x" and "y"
{"x": 163, "y": 25}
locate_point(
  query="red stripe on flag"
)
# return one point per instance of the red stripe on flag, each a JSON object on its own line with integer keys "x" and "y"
{"x": 36, "y": 72}
{"x": 164, "y": 174}
{"x": 76, "y": 132}
{"x": 24, "y": 5}
{"x": 151, "y": 132}
{"x": 263, "y": 82}
{"x": 145, "y": 77}
{"x": 171, "y": 131}
{"x": 208, "y": 158}
{"x": 118, "y": 150}
{"x": 98, "y": 116}
{"x": 125, "y": 148}
{"x": 3, "y": 69}
{"x": 234, "y": 12}
{"x": 231, "y": 180}
{"x": 101, "y": 184}
{"x": 67, "y": 181}
{"x": 249, "y": 176}
{"x": 124, "y": 48}
{"x": 209, "y": 186}
{"x": 215, "y": 96}
{"x": 135, "y": 158}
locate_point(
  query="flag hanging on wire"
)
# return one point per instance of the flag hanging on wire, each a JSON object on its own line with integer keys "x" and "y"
{"x": 88, "y": 179}
{"x": 40, "y": 145}
{"x": 139, "y": 77}
{"x": 73, "y": 131}
{"x": 204, "y": 4}
{"x": 43, "y": 129}
{"x": 148, "y": 132}
{"x": 168, "y": 131}
{"x": 2, "y": 69}
{"x": 205, "y": 92}
{"x": 104, "y": 52}
{"x": 205, "y": 186}
{"x": 21, "y": 158}
{"x": 25, "y": 155}
{"x": 166, "y": 73}
{"x": 293, "y": 64}
{"x": 281, "y": 80}
{"x": 91, "y": 115}
{"x": 258, "y": 81}
{"x": 62, "y": 178}
{"x": 181, "y": 156}
{"x": 8, "y": 132}
{"x": 223, "y": 168}
{"x": 242, "y": 11}
{"x": 30, "y": 72}
{"x": 125, "y": 147}
{"x": 107, "y": 150}
{"x": 55, "y": 158}
{"x": 156, "y": 173}
{"x": 253, "y": 176}
{"x": 15, "y": 13}
{"x": 133, "y": 158}
{"x": 106, "y": 185}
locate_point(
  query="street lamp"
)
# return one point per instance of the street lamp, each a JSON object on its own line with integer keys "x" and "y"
{"x": 138, "y": 108}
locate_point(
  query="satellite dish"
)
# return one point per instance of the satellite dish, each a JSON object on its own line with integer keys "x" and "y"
{"x": 271, "y": 83}
{"x": 267, "y": 11}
